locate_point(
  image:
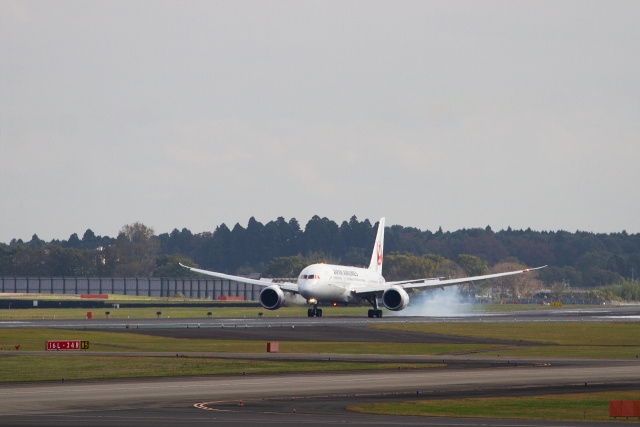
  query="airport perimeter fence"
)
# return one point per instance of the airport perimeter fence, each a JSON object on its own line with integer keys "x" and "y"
{"x": 140, "y": 286}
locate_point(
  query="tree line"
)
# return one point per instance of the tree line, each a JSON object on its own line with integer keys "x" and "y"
{"x": 281, "y": 248}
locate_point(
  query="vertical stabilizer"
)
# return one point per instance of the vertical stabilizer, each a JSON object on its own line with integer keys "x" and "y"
{"x": 376, "y": 256}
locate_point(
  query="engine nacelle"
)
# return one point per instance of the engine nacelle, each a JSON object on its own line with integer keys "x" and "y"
{"x": 395, "y": 298}
{"x": 272, "y": 297}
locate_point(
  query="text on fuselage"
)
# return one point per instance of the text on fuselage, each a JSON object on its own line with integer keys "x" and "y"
{"x": 345, "y": 273}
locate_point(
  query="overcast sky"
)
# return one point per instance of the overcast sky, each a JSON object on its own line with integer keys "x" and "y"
{"x": 458, "y": 114}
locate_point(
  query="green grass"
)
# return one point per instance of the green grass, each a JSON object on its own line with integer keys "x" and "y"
{"x": 16, "y": 367}
{"x": 33, "y": 339}
{"x": 557, "y": 339}
{"x": 38, "y": 368}
{"x": 564, "y": 333}
{"x": 173, "y": 312}
{"x": 590, "y": 352}
{"x": 569, "y": 407}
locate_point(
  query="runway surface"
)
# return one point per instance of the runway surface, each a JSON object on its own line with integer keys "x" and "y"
{"x": 567, "y": 314}
{"x": 318, "y": 398}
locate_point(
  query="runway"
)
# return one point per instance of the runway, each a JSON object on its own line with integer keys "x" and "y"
{"x": 567, "y": 314}
{"x": 318, "y": 398}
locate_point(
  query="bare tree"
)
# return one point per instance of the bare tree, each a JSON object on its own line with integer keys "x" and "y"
{"x": 514, "y": 286}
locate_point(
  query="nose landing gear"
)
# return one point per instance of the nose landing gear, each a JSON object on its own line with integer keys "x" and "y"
{"x": 314, "y": 311}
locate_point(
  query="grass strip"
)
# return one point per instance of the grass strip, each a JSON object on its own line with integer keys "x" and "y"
{"x": 579, "y": 351}
{"x": 39, "y": 368}
{"x": 564, "y": 333}
{"x": 150, "y": 312}
{"x": 567, "y": 407}
{"x": 560, "y": 339}
{"x": 33, "y": 339}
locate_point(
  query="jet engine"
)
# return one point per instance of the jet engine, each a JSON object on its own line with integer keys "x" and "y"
{"x": 272, "y": 297}
{"x": 395, "y": 298}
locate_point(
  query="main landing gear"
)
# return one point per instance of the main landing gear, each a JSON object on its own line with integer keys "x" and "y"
{"x": 376, "y": 312}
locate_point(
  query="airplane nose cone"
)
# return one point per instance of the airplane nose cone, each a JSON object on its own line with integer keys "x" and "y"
{"x": 304, "y": 287}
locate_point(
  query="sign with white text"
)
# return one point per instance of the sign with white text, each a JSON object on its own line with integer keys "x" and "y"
{"x": 67, "y": 345}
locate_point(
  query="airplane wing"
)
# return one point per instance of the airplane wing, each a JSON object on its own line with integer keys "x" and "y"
{"x": 423, "y": 284}
{"x": 291, "y": 287}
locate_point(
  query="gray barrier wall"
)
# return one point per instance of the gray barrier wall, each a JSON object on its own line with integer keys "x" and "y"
{"x": 143, "y": 286}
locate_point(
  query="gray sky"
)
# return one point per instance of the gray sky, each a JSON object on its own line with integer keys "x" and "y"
{"x": 457, "y": 114}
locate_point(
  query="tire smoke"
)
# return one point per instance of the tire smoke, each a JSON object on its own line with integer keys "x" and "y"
{"x": 436, "y": 303}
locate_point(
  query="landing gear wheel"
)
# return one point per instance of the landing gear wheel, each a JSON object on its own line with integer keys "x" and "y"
{"x": 375, "y": 313}
{"x": 314, "y": 312}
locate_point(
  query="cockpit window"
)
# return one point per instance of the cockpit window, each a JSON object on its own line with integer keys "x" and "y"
{"x": 309, "y": 276}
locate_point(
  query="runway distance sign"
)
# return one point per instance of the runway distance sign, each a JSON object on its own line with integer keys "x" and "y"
{"x": 67, "y": 345}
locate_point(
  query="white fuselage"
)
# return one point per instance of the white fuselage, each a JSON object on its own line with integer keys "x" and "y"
{"x": 334, "y": 283}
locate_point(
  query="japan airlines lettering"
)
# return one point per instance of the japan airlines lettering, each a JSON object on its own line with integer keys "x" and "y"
{"x": 345, "y": 273}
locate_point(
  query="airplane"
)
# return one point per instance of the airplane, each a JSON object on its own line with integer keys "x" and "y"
{"x": 337, "y": 284}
